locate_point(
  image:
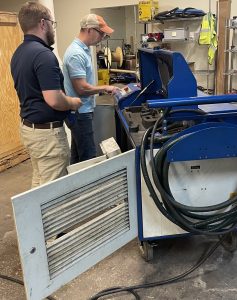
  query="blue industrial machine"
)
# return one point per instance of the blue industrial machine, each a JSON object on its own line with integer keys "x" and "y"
{"x": 186, "y": 151}
{"x": 179, "y": 177}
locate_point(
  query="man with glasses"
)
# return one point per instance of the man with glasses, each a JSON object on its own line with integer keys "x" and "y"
{"x": 79, "y": 81}
{"x": 43, "y": 103}
{"x": 54, "y": 23}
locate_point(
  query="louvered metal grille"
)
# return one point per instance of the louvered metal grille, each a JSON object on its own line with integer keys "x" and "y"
{"x": 88, "y": 217}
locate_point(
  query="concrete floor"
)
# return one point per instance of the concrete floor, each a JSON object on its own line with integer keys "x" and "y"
{"x": 215, "y": 279}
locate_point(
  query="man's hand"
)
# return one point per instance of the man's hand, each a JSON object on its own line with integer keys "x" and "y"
{"x": 83, "y": 88}
{"x": 59, "y": 101}
{"x": 110, "y": 89}
{"x": 75, "y": 103}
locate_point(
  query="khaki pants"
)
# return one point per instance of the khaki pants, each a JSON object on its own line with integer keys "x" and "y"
{"x": 49, "y": 152}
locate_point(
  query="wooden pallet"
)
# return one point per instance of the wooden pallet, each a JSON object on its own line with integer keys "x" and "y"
{"x": 13, "y": 158}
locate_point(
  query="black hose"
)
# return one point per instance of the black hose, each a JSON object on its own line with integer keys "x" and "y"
{"x": 15, "y": 280}
{"x": 182, "y": 215}
{"x": 208, "y": 220}
{"x": 130, "y": 289}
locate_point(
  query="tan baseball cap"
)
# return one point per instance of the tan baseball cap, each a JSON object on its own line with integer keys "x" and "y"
{"x": 95, "y": 21}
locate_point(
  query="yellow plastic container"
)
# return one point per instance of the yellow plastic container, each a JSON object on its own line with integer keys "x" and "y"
{"x": 147, "y": 10}
{"x": 103, "y": 76}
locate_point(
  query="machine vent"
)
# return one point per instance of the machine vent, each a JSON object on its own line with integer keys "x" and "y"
{"x": 80, "y": 222}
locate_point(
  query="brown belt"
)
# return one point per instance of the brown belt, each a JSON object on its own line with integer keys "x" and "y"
{"x": 49, "y": 125}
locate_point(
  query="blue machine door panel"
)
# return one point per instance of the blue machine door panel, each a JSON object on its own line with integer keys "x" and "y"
{"x": 215, "y": 141}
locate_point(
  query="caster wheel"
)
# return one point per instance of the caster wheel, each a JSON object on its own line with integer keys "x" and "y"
{"x": 229, "y": 241}
{"x": 146, "y": 250}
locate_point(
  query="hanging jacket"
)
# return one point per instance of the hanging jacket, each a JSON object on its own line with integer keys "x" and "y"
{"x": 205, "y": 32}
{"x": 208, "y": 35}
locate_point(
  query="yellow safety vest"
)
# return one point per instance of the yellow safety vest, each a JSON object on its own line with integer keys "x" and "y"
{"x": 208, "y": 35}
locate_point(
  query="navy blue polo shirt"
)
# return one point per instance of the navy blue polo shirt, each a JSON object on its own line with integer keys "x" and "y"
{"x": 34, "y": 69}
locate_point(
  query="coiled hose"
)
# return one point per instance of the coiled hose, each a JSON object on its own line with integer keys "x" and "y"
{"x": 209, "y": 220}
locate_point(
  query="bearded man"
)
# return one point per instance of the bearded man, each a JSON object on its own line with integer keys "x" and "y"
{"x": 43, "y": 104}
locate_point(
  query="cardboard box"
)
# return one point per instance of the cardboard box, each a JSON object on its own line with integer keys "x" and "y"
{"x": 130, "y": 64}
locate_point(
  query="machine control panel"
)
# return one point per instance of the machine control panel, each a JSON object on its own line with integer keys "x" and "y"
{"x": 127, "y": 90}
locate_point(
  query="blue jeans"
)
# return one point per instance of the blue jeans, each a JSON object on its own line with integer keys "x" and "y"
{"x": 82, "y": 133}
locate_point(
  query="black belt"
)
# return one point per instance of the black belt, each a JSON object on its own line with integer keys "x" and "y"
{"x": 49, "y": 125}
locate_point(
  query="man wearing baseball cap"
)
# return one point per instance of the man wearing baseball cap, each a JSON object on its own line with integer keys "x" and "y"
{"x": 79, "y": 81}
{"x": 95, "y": 21}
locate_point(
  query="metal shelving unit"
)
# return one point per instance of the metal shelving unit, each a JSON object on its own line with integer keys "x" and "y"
{"x": 207, "y": 72}
{"x": 170, "y": 20}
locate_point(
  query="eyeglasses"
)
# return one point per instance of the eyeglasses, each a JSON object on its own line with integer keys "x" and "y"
{"x": 54, "y": 23}
{"x": 103, "y": 34}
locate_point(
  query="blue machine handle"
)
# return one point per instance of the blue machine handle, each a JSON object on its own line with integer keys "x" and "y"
{"x": 156, "y": 103}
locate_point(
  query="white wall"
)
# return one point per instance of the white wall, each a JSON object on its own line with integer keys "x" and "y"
{"x": 68, "y": 14}
{"x": 68, "y": 17}
{"x": 133, "y": 29}
{"x": 11, "y": 5}
{"x": 123, "y": 31}
{"x": 113, "y": 17}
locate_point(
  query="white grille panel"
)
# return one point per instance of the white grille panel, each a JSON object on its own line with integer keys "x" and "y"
{"x": 86, "y": 239}
{"x": 88, "y": 217}
{"x": 95, "y": 208}
{"x": 75, "y": 207}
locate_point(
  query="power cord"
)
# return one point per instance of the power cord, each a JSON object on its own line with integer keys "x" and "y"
{"x": 131, "y": 289}
{"x": 15, "y": 280}
{"x": 226, "y": 221}
{"x": 209, "y": 220}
